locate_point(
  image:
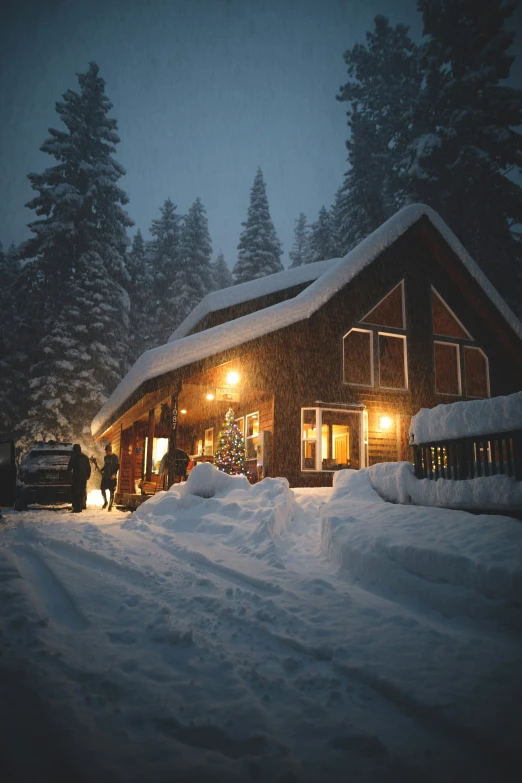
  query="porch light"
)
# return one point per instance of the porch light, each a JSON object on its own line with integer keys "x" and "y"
{"x": 183, "y": 410}
{"x": 210, "y": 397}
{"x": 232, "y": 378}
{"x": 385, "y": 423}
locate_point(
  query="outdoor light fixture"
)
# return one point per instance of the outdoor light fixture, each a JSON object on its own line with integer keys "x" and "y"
{"x": 232, "y": 378}
{"x": 385, "y": 422}
{"x": 210, "y": 397}
{"x": 183, "y": 410}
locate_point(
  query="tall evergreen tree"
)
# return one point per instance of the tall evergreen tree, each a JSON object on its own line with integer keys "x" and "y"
{"x": 383, "y": 82}
{"x": 221, "y": 273}
{"x": 339, "y": 228}
{"x": 194, "y": 279}
{"x": 300, "y": 252}
{"x": 165, "y": 250}
{"x": 140, "y": 289}
{"x": 79, "y": 244}
{"x": 12, "y": 359}
{"x": 321, "y": 241}
{"x": 467, "y": 137}
{"x": 259, "y": 248}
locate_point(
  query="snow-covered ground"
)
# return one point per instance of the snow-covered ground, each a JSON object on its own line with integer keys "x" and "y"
{"x": 261, "y": 634}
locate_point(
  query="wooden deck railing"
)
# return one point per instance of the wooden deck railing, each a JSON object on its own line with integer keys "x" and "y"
{"x": 467, "y": 458}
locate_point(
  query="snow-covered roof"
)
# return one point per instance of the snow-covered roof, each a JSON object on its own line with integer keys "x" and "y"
{"x": 253, "y": 289}
{"x": 467, "y": 418}
{"x": 179, "y": 353}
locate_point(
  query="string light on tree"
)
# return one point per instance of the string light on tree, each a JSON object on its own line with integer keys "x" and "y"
{"x": 229, "y": 455}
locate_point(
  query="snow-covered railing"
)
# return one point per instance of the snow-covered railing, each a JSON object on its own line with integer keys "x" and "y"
{"x": 471, "y": 457}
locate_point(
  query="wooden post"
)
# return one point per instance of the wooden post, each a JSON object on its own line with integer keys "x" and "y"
{"x": 517, "y": 455}
{"x": 173, "y": 440}
{"x": 133, "y": 458}
{"x": 150, "y": 441}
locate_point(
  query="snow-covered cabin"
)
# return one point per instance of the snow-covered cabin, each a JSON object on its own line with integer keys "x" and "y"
{"x": 324, "y": 365}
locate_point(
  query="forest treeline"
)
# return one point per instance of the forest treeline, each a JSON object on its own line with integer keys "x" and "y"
{"x": 433, "y": 122}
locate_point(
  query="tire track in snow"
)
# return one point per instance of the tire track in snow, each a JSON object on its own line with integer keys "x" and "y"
{"x": 48, "y": 589}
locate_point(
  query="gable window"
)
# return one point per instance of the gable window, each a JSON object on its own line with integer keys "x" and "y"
{"x": 476, "y": 370}
{"x": 378, "y": 356}
{"x": 358, "y": 357}
{"x": 461, "y": 367}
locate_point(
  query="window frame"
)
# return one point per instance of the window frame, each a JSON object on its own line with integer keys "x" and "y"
{"x": 318, "y": 440}
{"x": 402, "y": 337}
{"x": 372, "y": 369}
{"x": 403, "y": 310}
{"x": 488, "y": 388}
{"x": 456, "y": 345}
{"x": 246, "y": 437}
{"x": 207, "y": 440}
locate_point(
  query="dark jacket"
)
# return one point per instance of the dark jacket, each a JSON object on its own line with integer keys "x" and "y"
{"x": 111, "y": 466}
{"x": 80, "y": 467}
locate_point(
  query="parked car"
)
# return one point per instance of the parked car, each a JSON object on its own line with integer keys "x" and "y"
{"x": 42, "y": 475}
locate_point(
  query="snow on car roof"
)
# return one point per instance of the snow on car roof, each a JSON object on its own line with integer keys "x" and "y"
{"x": 253, "y": 289}
{"x": 194, "y": 347}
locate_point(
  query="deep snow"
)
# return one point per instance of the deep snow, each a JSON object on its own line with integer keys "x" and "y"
{"x": 261, "y": 633}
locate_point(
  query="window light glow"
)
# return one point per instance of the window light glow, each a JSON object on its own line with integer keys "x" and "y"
{"x": 385, "y": 423}
{"x": 232, "y": 378}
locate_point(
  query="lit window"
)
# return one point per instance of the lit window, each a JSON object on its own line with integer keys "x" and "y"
{"x": 339, "y": 443}
{"x": 476, "y": 371}
{"x": 392, "y": 361}
{"x": 447, "y": 368}
{"x": 241, "y": 424}
{"x": 251, "y": 434}
{"x": 358, "y": 361}
{"x": 209, "y": 442}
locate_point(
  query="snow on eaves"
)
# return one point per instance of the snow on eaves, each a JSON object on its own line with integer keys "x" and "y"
{"x": 253, "y": 289}
{"x": 181, "y": 352}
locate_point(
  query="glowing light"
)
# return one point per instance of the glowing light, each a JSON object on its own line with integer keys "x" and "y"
{"x": 232, "y": 378}
{"x": 385, "y": 422}
{"x": 210, "y": 397}
{"x": 183, "y": 410}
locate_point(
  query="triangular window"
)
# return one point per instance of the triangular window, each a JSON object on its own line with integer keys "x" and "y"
{"x": 445, "y": 323}
{"x": 389, "y": 311}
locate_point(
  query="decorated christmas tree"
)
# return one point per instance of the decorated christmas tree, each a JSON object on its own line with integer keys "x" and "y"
{"x": 230, "y": 452}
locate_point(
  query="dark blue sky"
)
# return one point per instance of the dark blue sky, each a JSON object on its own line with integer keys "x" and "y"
{"x": 204, "y": 91}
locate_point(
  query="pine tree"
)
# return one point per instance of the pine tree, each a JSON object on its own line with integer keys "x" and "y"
{"x": 12, "y": 359}
{"x": 221, "y": 273}
{"x": 321, "y": 243}
{"x": 194, "y": 279}
{"x": 230, "y": 452}
{"x": 384, "y": 81}
{"x": 300, "y": 252}
{"x": 259, "y": 248}
{"x": 79, "y": 244}
{"x": 338, "y": 229}
{"x": 165, "y": 250}
{"x": 467, "y": 138}
{"x": 140, "y": 289}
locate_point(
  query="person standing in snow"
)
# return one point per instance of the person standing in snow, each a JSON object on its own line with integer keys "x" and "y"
{"x": 111, "y": 466}
{"x": 80, "y": 469}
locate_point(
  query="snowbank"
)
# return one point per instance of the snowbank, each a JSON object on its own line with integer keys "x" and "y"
{"x": 396, "y": 482}
{"x": 453, "y": 560}
{"x": 464, "y": 419}
{"x": 227, "y": 508}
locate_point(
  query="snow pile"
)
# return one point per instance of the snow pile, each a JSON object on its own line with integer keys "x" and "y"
{"x": 453, "y": 560}
{"x": 396, "y": 482}
{"x": 464, "y": 419}
{"x": 228, "y": 509}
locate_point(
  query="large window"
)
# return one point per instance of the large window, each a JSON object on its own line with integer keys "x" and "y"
{"x": 377, "y": 356}
{"x": 461, "y": 368}
{"x": 209, "y": 442}
{"x": 251, "y": 434}
{"x": 331, "y": 439}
